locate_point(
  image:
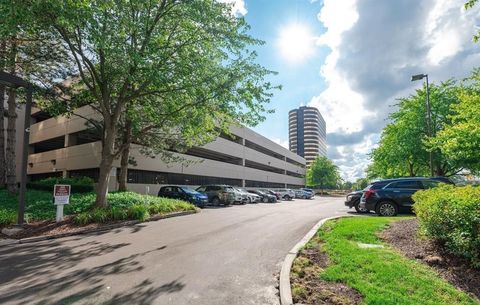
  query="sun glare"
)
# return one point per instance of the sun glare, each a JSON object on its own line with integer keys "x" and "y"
{"x": 296, "y": 43}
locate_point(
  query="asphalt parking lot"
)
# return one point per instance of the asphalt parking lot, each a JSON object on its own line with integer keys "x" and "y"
{"x": 228, "y": 255}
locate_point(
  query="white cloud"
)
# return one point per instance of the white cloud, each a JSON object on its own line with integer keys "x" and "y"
{"x": 375, "y": 47}
{"x": 238, "y": 6}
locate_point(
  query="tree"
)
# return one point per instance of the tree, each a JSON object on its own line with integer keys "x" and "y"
{"x": 141, "y": 58}
{"x": 360, "y": 184}
{"x": 26, "y": 51}
{"x": 468, "y": 5}
{"x": 403, "y": 148}
{"x": 323, "y": 173}
{"x": 460, "y": 141}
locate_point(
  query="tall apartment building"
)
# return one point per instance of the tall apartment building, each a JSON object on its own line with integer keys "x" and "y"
{"x": 63, "y": 146}
{"x": 307, "y": 133}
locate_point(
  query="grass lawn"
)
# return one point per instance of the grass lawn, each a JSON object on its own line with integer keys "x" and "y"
{"x": 122, "y": 206}
{"x": 380, "y": 275}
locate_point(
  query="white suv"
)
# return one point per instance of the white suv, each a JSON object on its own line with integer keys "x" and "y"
{"x": 286, "y": 194}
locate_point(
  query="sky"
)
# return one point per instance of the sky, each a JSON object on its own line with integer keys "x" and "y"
{"x": 353, "y": 58}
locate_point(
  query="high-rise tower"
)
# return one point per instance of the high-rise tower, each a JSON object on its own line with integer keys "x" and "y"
{"x": 307, "y": 133}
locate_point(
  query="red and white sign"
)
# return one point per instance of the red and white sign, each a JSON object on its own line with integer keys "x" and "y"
{"x": 61, "y": 192}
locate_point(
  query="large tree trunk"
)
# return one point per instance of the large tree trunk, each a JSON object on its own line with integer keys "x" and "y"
{"x": 11, "y": 141}
{"x": 410, "y": 169}
{"x": 108, "y": 155}
{"x": 2, "y": 116}
{"x": 2, "y": 137}
{"x": 127, "y": 139}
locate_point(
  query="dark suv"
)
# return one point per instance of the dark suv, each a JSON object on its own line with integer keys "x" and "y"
{"x": 183, "y": 193}
{"x": 388, "y": 197}
{"x": 218, "y": 194}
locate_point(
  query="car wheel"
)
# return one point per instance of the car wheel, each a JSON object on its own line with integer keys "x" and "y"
{"x": 386, "y": 208}
{"x": 359, "y": 209}
{"x": 286, "y": 197}
{"x": 216, "y": 201}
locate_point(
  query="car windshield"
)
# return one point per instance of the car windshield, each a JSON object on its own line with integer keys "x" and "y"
{"x": 188, "y": 190}
{"x": 260, "y": 192}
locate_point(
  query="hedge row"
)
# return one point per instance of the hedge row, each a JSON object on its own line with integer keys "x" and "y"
{"x": 79, "y": 184}
{"x": 132, "y": 206}
{"x": 121, "y": 206}
{"x": 451, "y": 215}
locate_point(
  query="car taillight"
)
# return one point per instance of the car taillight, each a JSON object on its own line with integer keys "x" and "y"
{"x": 369, "y": 193}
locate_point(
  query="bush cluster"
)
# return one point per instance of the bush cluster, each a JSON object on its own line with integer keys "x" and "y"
{"x": 451, "y": 215}
{"x": 122, "y": 206}
{"x": 79, "y": 184}
{"x": 132, "y": 206}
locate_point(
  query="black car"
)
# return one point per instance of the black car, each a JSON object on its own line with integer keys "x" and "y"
{"x": 265, "y": 197}
{"x": 276, "y": 194}
{"x": 353, "y": 201}
{"x": 389, "y": 197}
{"x": 183, "y": 193}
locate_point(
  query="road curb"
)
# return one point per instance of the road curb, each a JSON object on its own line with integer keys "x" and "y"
{"x": 284, "y": 285}
{"x": 95, "y": 230}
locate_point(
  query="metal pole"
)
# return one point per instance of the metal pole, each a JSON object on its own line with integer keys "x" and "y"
{"x": 429, "y": 125}
{"x": 26, "y": 141}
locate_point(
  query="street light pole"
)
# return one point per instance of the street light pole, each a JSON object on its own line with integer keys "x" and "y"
{"x": 429, "y": 116}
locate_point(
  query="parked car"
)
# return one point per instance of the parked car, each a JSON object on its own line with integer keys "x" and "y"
{"x": 183, "y": 193}
{"x": 240, "y": 196}
{"x": 218, "y": 194}
{"x": 251, "y": 197}
{"x": 395, "y": 194}
{"x": 286, "y": 194}
{"x": 264, "y": 196}
{"x": 276, "y": 194}
{"x": 303, "y": 194}
{"x": 246, "y": 196}
{"x": 309, "y": 191}
{"x": 353, "y": 201}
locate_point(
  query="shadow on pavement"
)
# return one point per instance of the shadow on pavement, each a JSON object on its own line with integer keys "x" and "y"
{"x": 35, "y": 274}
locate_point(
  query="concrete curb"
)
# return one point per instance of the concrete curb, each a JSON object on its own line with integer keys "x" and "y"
{"x": 285, "y": 287}
{"x": 9, "y": 242}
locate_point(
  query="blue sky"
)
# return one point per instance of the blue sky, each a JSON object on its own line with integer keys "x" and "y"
{"x": 300, "y": 81}
{"x": 362, "y": 60}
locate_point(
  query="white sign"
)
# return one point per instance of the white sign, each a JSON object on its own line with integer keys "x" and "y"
{"x": 61, "y": 193}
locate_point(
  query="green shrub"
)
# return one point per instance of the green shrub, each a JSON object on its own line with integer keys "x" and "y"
{"x": 451, "y": 215}
{"x": 83, "y": 218}
{"x": 139, "y": 212}
{"x": 122, "y": 206}
{"x": 79, "y": 184}
{"x": 7, "y": 217}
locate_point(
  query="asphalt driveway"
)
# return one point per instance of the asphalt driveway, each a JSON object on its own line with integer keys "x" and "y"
{"x": 220, "y": 256}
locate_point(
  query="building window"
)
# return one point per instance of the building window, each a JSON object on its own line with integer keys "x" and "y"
{"x": 88, "y": 172}
{"x": 36, "y": 177}
{"x": 294, "y": 174}
{"x": 263, "y": 167}
{"x": 295, "y": 163}
{"x": 50, "y": 144}
{"x": 213, "y": 155}
{"x": 263, "y": 150}
{"x": 252, "y": 183}
{"x": 294, "y": 186}
{"x": 151, "y": 177}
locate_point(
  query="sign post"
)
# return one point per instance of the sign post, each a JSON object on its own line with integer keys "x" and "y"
{"x": 61, "y": 194}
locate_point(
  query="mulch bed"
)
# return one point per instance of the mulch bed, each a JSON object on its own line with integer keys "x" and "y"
{"x": 403, "y": 236}
{"x": 50, "y": 228}
{"x": 316, "y": 290}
